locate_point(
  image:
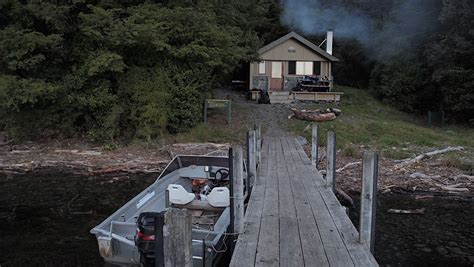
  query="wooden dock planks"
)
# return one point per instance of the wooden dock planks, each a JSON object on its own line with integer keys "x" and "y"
{"x": 269, "y": 236}
{"x": 308, "y": 229}
{"x": 292, "y": 219}
{"x": 290, "y": 250}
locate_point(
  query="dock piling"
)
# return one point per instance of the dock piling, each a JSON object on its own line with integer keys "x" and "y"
{"x": 177, "y": 241}
{"x": 238, "y": 190}
{"x": 314, "y": 145}
{"x": 368, "y": 200}
{"x": 251, "y": 159}
{"x": 331, "y": 161}
{"x": 258, "y": 143}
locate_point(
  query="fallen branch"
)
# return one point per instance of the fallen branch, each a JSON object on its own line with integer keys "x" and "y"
{"x": 414, "y": 211}
{"x": 420, "y": 157}
{"x": 348, "y": 165}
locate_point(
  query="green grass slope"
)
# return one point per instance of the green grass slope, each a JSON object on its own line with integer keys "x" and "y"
{"x": 367, "y": 122}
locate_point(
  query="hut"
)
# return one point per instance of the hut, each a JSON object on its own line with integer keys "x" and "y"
{"x": 288, "y": 59}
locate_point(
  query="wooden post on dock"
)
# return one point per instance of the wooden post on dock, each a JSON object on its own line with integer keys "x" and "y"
{"x": 177, "y": 241}
{"x": 314, "y": 146}
{"x": 238, "y": 190}
{"x": 331, "y": 161}
{"x": 251, "y": 160}
{"x": 368, "y": 200}
{"x": 258, "y": 143}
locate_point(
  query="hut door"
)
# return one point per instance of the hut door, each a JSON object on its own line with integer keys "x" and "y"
{"x": 276, "y": 79}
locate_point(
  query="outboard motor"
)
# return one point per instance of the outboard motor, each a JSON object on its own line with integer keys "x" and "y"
{"x": 149, "y": 225}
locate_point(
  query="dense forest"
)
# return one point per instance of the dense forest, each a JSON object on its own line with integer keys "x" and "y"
{"x": 139, "y": 69}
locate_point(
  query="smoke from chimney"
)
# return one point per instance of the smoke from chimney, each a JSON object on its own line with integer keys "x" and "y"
{"x": 399, "y": 26}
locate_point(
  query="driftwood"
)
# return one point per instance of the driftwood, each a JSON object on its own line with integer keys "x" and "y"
{"x": 347, "y": 199}
{"x": 200, "y": 145}
{"x": 20, "y": 151}
{"x": 307, "y": 127}
{"x": 218, "y": 153}
{"x": 387, "y": 189}
{"x": 423, "y": 176}
{"x": 414, "y": 211}
{"x": 420, "y": 197}
{"x": 420, "y": 157}
{"x": 81, "y": 167}
{"x": 349, "y": 165}
{"x": 6, "y": 143}
{"x": 453, "y": 188}
{"x": 313, "y": 115}
{"x": 464, "y": 176}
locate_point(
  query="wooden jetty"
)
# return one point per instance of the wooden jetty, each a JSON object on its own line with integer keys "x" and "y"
{"x": 293, "y": 217}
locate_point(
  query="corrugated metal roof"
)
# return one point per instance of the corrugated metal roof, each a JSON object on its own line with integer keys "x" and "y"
{"x": 302, "y": 40}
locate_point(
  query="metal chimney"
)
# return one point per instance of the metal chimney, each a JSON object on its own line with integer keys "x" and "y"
{"x": 329, "y": 40}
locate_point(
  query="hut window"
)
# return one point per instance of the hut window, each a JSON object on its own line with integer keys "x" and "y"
{"x": 304, "y": 68}
{"x": 261, "y": 67}
{"x": 292, "y": 67}
{"x": 291, "y": 49}
{"x": 317, "y": 68}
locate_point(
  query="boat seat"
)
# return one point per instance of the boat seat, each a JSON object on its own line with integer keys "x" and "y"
{"x": 179, "y": 195}
{"x": 219, "y": 197}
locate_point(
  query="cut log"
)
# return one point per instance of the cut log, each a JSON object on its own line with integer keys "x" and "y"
{"x": 313, "y": 116}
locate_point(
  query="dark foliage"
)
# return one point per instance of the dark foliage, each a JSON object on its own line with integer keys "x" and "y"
{"x": 109, "y": 69}
{"x": 439, "y": 75}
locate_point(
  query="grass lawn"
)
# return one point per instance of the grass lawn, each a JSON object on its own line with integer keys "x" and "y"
{"x": 217, "y": 129}
{"x": 367, "y": 122}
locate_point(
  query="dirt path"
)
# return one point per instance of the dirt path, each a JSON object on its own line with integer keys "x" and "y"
{"x": 270, "y": 117}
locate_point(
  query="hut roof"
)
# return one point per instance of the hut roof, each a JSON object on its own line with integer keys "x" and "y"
{"x": 302, "y": 40}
